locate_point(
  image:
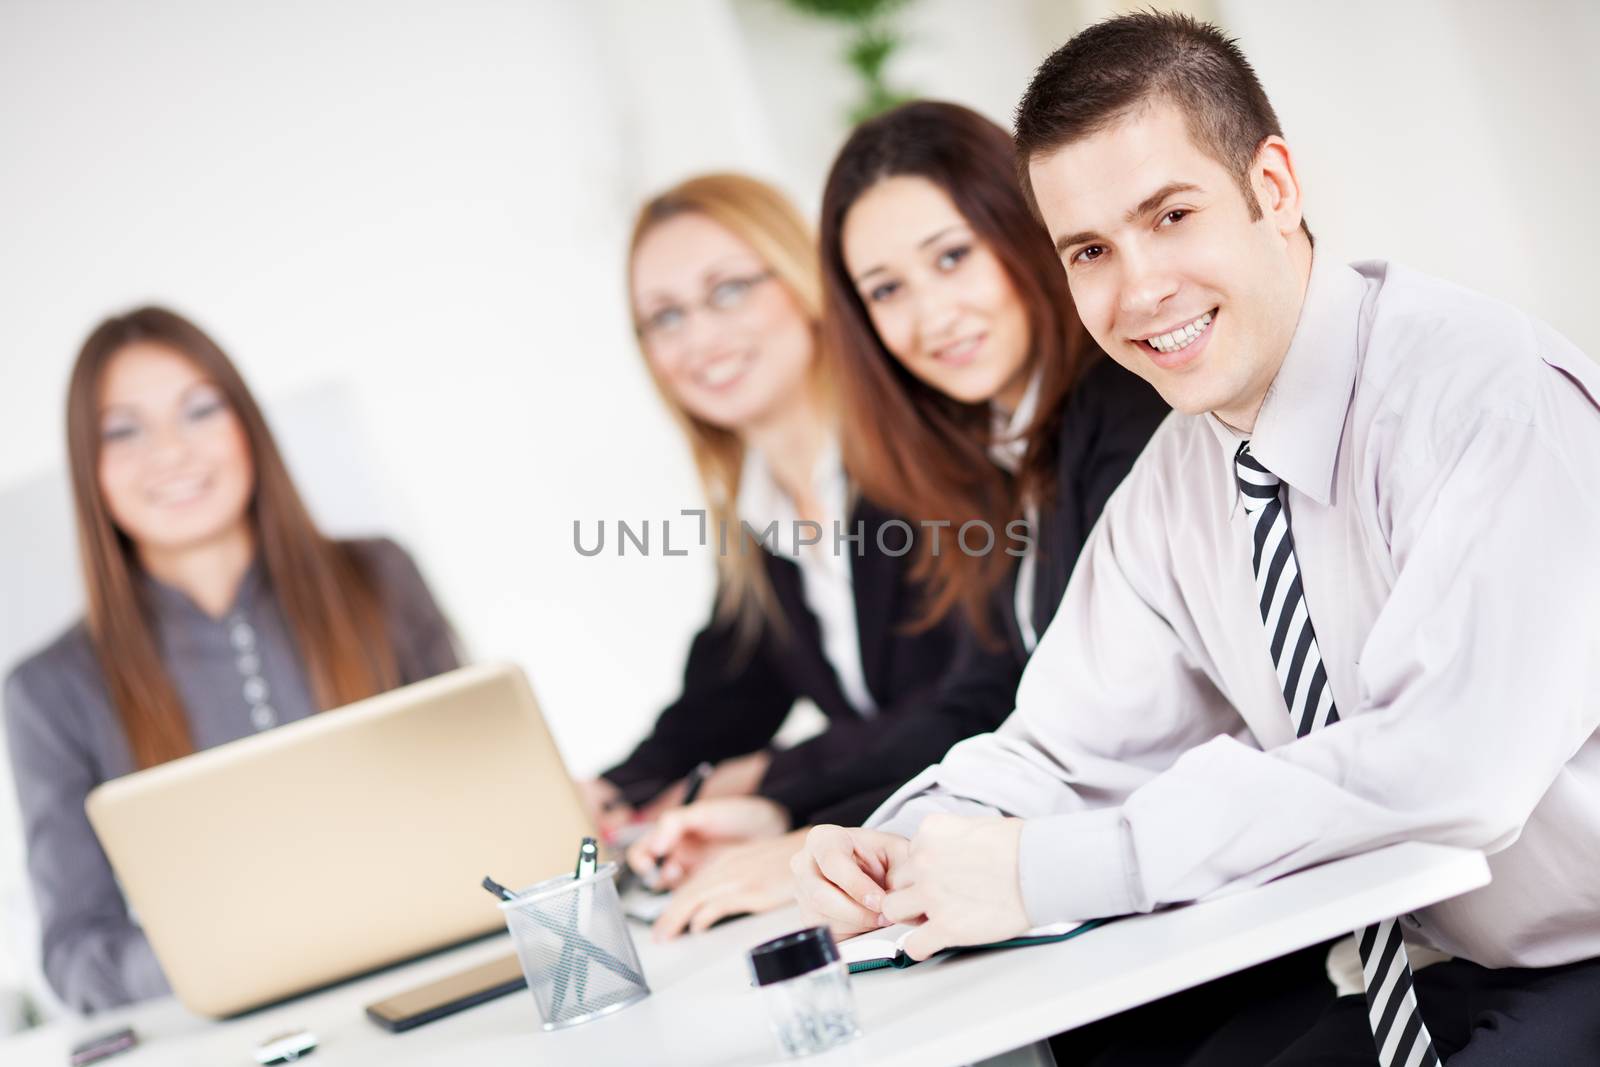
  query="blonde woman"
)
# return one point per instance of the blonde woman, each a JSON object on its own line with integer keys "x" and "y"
{"x": 726, "y": 295}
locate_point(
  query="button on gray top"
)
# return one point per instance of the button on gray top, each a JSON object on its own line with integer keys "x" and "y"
{"x": 66, "y": 738}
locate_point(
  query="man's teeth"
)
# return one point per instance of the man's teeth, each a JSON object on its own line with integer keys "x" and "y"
{"x": 1182, "y": 337}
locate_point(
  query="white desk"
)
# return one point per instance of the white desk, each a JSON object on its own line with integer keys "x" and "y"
{"x": 704, "y": 1012}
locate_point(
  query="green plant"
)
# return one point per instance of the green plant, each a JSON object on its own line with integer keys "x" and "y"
{"x": 873, "y": 40}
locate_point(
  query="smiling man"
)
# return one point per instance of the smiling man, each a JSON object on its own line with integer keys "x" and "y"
{"x": 1346, "y": 597}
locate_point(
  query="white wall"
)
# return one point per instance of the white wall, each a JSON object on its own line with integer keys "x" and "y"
{"x": 418, "y": 208}
{"x": 421, "y": 203}
{"x": 1456, "y": 136}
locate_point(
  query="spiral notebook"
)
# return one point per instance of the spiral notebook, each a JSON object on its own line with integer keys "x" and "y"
{"x": 886, "y": 948}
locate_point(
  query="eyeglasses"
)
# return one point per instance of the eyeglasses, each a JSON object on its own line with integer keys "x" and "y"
{"x": 669, "y": 322}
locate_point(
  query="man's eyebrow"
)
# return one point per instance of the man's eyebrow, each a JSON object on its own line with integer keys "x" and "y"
{"x": 1144, "y": 207}
{"x": 1153, "y": 201}
{"x": 1081, "y": 237}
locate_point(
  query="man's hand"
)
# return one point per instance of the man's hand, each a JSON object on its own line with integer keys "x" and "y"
{"x": 842, "y": 875}
{"x": 744, "y": 879}
{"x": 960, "y": 882}
{"x": 684, "y": 839}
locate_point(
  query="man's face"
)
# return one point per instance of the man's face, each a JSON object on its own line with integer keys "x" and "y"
{"x": 1170, "y": 273}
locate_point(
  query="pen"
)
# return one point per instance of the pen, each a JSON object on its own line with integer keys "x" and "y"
{"x": 588, "y": 858}
{"x": 696, "y": 779}
{"x": 497, "y": 889}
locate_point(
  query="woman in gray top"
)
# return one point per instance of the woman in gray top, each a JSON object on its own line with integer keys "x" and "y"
{"x": 215, "y": 609}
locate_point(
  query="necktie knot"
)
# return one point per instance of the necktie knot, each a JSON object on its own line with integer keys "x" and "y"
{"x": 1257, "y": 485}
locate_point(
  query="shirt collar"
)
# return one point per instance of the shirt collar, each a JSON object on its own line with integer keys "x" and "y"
{"x": 762, "y": 501}
{"x": 173, "y": 604}
{"x": 1007, "y": 430}
{"x": 1301, "y": 421}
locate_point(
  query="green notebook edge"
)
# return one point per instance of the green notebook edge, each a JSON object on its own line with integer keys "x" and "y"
{"x": 901, "y": 961}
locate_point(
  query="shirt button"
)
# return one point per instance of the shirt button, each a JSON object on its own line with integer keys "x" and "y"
{"x": 242, "y": 636}
{"x": 263, "y": 717}
{"x": 255, "y": 690}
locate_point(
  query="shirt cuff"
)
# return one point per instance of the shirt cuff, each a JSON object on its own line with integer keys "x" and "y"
{"x": 1077, "y": 866}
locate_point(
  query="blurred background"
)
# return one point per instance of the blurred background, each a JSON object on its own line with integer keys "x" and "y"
{"x": 405, "y": 221}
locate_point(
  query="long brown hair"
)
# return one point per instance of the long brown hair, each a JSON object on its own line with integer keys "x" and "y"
{"x": 329, "y": 600}
{"x": 764, "y": 219}
{"x": 910, "y": 447}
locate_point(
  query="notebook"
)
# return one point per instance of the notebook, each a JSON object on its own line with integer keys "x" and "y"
{"x": 879, "y": 949}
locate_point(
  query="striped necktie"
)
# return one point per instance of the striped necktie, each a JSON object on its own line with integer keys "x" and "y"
{"x": 1392, "y": 1010}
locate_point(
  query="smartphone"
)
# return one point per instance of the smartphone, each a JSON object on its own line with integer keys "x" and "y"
{"x": 448, "y": 995}
{"x": 106, "y": 1045}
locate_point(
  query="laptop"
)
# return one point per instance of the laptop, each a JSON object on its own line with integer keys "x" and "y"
{"x": 341, "y": 843}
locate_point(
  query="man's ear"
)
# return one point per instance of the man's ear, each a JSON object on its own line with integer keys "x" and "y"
{"x": 1276, "y": 185}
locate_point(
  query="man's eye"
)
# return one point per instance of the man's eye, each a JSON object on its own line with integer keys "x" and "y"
{"x": 1177, "y": 214}
{"x": 1088, "y": 255}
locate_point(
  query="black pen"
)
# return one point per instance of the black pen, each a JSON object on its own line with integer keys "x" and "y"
{"x": 695, "y": 780}
{"x": 497, "y": 889}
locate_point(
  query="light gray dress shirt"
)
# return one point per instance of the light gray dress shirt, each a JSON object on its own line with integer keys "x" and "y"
{"x": 1441, "y": 457}
{"x": 236, "y": 675}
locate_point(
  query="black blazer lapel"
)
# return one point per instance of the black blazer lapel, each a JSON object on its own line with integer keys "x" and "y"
{"x": 875, "y": 577}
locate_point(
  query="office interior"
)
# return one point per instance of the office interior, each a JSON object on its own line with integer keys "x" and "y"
{"x": 407, "y": 222}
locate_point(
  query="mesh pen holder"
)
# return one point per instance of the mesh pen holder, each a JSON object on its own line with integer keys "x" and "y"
{"x": 573, "y": 942}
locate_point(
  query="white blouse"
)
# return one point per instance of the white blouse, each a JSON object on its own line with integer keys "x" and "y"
{"x": 825, "y": 575}
{"x": 1007, "y": 447}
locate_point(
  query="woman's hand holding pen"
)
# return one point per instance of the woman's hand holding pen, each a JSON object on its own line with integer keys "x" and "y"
{"x": 686, "y": 838}
{"x": 744, "y": 879}
{"x": 605, "y": 806}
{"x": 739, "y": 776}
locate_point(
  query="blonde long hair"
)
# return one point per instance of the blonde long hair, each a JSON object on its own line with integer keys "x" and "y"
{"x": 764, "y": 219}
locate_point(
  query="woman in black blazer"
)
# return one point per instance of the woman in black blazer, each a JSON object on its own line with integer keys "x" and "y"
{"x": 950, "y": 311}
{"x": 975, "y": 405}
{"x": 726, "y": 296}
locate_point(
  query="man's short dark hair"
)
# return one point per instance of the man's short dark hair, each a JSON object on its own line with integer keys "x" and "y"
{"x": 1117, "y": 66}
